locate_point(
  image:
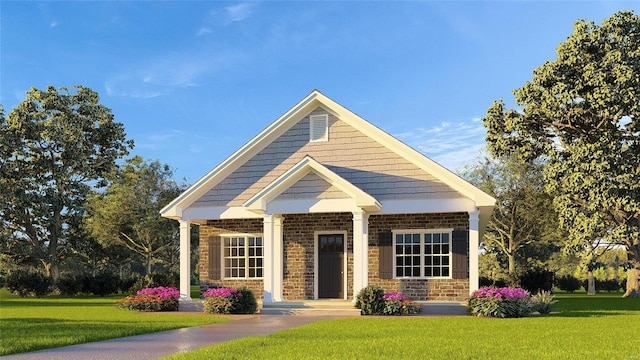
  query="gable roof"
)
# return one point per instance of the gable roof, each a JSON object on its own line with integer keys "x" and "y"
{"x": 258, "y": 203}
{"x": 293, "y": 116}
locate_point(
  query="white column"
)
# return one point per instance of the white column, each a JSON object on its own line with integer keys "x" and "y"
{"x": 185, "y": 260}
{"x": 360, "y": 251}
{"x": 267, "y": 262}
{"x": 278, "y": 261}
{"x": 474, "y": 245}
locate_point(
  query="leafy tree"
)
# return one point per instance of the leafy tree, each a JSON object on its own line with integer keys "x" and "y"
{"x": 54, "y": 146}
{"x": 127, "y": 213}
{"x": 581, "y": 114}
{"x": 523, "y": 218}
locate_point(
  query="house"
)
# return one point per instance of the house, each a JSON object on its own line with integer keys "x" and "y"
{"x": 322, "y": 203}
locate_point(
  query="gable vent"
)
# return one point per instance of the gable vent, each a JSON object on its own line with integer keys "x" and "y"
{"x": 319, "y": 127}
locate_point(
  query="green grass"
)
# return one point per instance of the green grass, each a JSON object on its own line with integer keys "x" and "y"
{"x": 28, "y": 324}
{"x": 601, "y": 327}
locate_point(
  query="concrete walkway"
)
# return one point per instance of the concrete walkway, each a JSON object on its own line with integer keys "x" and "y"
{"x": 156, "y": 345}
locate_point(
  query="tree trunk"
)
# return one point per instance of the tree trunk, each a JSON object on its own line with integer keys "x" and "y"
{"x": 591, "y": 287}
{"x": 512, "y": 264}
{"x": 633, "y": 274}
{"x": 633, "y": 284}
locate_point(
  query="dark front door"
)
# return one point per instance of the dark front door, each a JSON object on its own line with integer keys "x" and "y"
{"x": 330, "y": 266}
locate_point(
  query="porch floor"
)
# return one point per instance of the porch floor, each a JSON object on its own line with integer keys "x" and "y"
{"x": 335, "y": 307}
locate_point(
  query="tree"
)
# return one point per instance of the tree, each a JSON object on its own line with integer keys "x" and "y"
{"x": 54, "y": 146}
{"x": 523, "y": 218}
{"x": 127, "y": 213}
{"x": 581, "y": 114}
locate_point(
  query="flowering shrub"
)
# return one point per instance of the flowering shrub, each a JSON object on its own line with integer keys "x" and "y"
{"x": 503, "y": 302}
{"x": 229, "y": 301}
{"x": 396, "y": 303}
{"x": 372, "y": 300}
{"x": 152, "y": 299}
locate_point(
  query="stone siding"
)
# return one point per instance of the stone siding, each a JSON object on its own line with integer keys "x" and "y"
{"x": 215, "y": 228}
{"x": 299, "y": 253}
{"x": 417, "y": 289}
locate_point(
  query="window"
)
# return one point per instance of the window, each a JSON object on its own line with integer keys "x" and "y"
{"x": 243, "y": 257}
{"x": 422, "y": 253}
{"x": 319, "y": 127}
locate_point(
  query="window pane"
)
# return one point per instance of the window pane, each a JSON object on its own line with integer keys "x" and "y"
{"x": 399, "y": 249}
{"x": 408, "y": 261}
{"x": 445, "y": 238}
{"x": 428, "y": 249}
{"x": 445, "y": 271}
{"x": 259, "y": 262}
{"x": 399, "y": 239}
{"x": 427, "y": 271}
{"x": 241, "y": 252}
{"x": 445, "y": 249}
{"x": 427, "y": 238}
{"x": 241, "y": 272}
{"x": 436, "y": 260}
{"x": 416, "y": 271}
{"x": 259, "y": 272}
{"x": 399, "y": 271}
{"x": 416, "y": 249}
{"x": 427, "y": 260}
{"x": 436, "y": 271}
{"x": 416, "y": 238}
{"x": 445, "y": 260}
{"x": 252, "y": 273}
{"x": 436, "y": 238}
{"x": 400, "y": 260}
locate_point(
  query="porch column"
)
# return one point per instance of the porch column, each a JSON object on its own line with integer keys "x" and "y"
{"x": 360, "y": 251}
{"x": 278, "y": 261}
{"x": 185, "y": 260}
{"x": 267, "y": 261}
{"x": 474, "y": 244}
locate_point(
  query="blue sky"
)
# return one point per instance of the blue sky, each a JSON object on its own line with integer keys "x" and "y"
{"x": 192, "y": 81}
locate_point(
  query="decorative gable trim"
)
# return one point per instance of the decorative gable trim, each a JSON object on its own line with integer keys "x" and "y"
{"x": 258, "y": 203}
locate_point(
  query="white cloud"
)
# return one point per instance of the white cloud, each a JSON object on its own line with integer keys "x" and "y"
{"x": 449, "y": 144}
{"x": 238, "y": 12}
{"x": 162, "y": 75}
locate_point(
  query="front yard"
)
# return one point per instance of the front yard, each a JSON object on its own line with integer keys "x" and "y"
{"x": 601, "y": 327}
{"x": 28, "y": 324}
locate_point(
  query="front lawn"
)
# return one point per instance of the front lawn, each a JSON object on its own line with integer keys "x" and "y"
{"x": 601, "y": 327}
{"x": 28, "y": 324}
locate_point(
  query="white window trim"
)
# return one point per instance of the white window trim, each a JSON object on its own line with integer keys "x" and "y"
{"x": 422, "y": 232}
{"x": 312, "y": 135}
{"x": 222, "y": 257}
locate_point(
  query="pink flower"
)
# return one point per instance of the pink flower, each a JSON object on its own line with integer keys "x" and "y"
{"x": 222, "y": 292}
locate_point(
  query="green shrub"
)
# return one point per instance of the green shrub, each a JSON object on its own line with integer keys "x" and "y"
{"x": 535, "y": 280}
{"x": 69, "y": 285}
{"x": 369, "y": 300}
{"x": 609, "y": 285}
{"x": 24, "y": 283}
{"x": 229, "y": 301}
{"x": 152, "y": 280}
{"x": 102, "y": 284}
{"x": 503, "y": 302}
{"x": 568, "y": 283}
{"x": 247, "y": 303}
{"x": 542, "y": 301}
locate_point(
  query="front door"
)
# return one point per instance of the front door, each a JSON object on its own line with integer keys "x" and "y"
{"x": 330, "y": 266}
